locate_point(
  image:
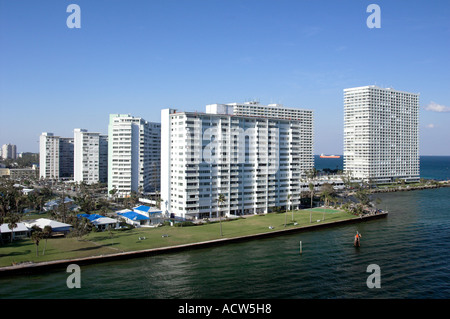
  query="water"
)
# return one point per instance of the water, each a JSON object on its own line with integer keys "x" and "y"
{"x": 435, "y": 167}
{"x": 431, "y": 167}
{"x": 411, "y": 246}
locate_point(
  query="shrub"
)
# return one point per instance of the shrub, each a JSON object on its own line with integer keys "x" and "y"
{"x": 183, "y": 224}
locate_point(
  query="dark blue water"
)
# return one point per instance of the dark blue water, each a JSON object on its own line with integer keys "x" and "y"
{"x": 411, "y": 246}
{"x": 431, "y": 167}
{"x": 435, "y": 167}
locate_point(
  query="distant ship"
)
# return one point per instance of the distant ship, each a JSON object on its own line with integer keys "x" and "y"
{"x": 329, "y": 156}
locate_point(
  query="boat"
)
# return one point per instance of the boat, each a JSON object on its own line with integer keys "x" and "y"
{"x": 329, "y": 156}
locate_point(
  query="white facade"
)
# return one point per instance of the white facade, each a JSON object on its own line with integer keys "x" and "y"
{"x": 277, "y": 111}
{"x": 55, "y": 156}
{"x": 9, "y": 151}
{"x": 133, "y": 154}
{"x": 381, "y": 134}
{"x": 48, "y": 156}
{"x": 255, "y": 160}
{"x": 90, "y": 157}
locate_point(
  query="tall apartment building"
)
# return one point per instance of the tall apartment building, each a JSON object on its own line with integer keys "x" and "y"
{"x": 90, "y": 157}
{"x": 55, "y": 156}
{"x": 381, "y": 134}
{"x": 133, "y": 154}
{"x": 255, "y": 155}
{"x": 9, "y": 151}
{"x": 66, "y": 157}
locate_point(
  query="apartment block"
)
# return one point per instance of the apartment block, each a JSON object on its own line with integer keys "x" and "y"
{"x": 133, "y": 154}
{"x": 90, "y": 157}
{"x": 9, "y": 151}
{"x": 255, "y": 155}
{"x": 55, "y": 157}
{"x": 381, "y": 134}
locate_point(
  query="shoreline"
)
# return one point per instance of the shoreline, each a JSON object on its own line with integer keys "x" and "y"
{"x": 409, "y": 188}
{"x": 45, "y": 266}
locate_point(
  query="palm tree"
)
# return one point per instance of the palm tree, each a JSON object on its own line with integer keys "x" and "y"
{"x": 311, "y": 190}
{"x": 46, "y": 233}
{"x": 36, "y": 236}
{"x": 220, "y": 201}
{"x": 288, "y": 208}
{"x": 158, "y": 200}
{"x": 292, "y": 211}
{"x": 113, "y": 193}
{"x": 13, "y": 220}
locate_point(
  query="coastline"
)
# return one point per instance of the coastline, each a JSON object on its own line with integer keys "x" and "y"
{"x": 43, "y": 266}
{"x": 410, "y": 188}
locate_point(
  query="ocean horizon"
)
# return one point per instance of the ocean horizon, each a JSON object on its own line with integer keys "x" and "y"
{"x": 435, "y": 167}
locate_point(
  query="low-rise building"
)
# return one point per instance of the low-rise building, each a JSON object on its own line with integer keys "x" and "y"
{"x": 20, "y": 231}
{"x": 57, "y": 227}
{"x": 101, "y": 222}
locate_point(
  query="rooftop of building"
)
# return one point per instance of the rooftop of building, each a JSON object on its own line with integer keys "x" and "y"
{"x": 377, "y": 87}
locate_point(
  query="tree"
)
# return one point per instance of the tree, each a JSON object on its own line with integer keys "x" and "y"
{"x": 82, "y": 226}
{"x": 110, "y": 233}
{"x": 13, "y": 220}
{"x": 311, "y": 173}
{"x": 347, "y": 179}
{"x": 328, "y": 192}
{"x": 220, "y": 201}
{"x": 362, "y": 196}
{"x": 288, "y": 208}
{"x": 113, "y": 193}
{"x": 19, "y": 199}
{"x": 158, "y": 200}
{"x": 304, "y": 197}
{"x": 62, "y": 208}
{"x": 45, "y": 234}
{"x": 311, "y": 190}
{"x": 32, "y": 200}
{"x": 36, "y": 236}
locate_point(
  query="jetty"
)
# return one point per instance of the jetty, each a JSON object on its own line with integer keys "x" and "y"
{"x": 405, "y": 188}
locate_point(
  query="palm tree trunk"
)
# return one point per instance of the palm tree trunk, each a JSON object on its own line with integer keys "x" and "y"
{"x": 220, "y": 222}
{"x": 45, "y": 246}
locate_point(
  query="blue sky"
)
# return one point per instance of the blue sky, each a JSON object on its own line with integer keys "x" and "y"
{"x": 138, "y": 57}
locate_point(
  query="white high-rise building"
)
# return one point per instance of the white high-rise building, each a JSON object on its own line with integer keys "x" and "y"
{"x": 48, "y": 156}
{"x": 90, "y": 157}
{"x": 55, "y": 156}
{"x": 381, "y": 134}
{"x": 9, "y": 151}
{"x": 255, "y": 155}
{"x": 133, "y": 154}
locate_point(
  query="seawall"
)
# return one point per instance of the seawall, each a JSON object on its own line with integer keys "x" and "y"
{"x": 45, "y": 266}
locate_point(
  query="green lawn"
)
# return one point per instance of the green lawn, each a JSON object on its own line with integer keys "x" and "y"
{"x": 101, "y": 243}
